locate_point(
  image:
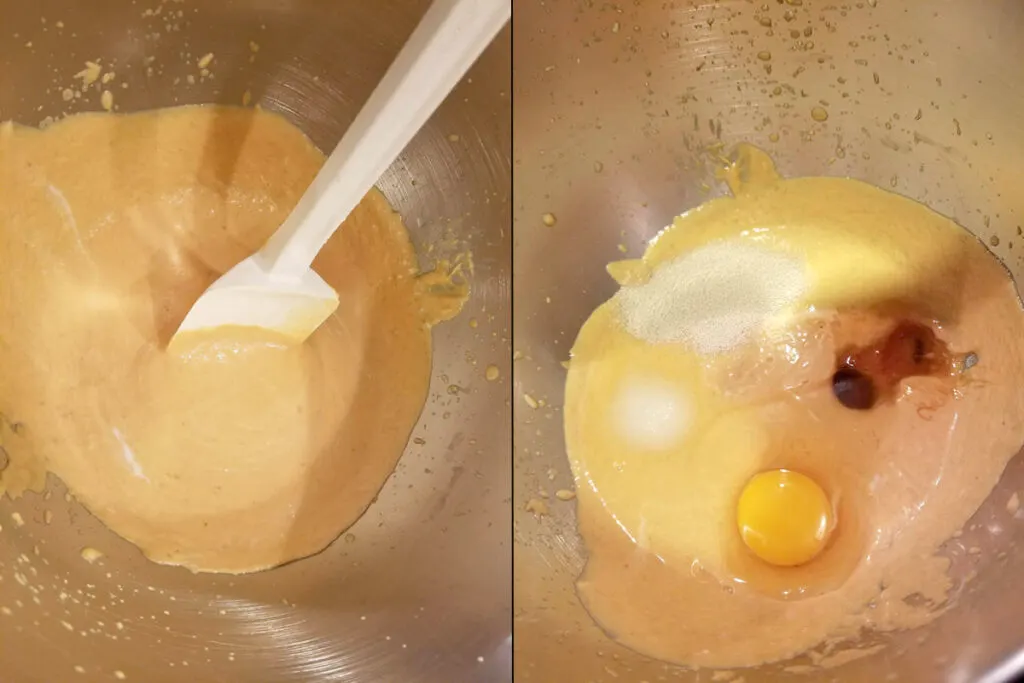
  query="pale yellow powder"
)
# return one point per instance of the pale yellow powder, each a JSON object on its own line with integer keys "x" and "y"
{"x": 712, "y": 298}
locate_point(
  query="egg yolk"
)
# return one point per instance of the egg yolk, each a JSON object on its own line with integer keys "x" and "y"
{"x": 784, "y": 517}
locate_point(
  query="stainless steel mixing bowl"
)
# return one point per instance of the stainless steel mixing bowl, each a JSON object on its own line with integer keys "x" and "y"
{"x": 419, "y": 589}
{"x": 616, "y": 106}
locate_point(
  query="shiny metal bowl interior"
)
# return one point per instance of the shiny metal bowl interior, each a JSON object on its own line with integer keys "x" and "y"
{"x": 616, "y": 105}
{"x": 419, "y": 588}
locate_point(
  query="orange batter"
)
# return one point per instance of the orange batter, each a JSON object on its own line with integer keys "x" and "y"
{"x": 244, "y": 453}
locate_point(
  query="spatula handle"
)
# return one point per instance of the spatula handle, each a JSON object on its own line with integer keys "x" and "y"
{"x": 449, "y": 38}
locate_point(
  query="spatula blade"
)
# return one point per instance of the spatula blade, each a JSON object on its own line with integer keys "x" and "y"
{"x": 249, "y": 296}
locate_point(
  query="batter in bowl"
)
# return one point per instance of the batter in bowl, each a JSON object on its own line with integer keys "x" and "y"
{"x": 239, "y": 453}
{"x": 797, "y": 395}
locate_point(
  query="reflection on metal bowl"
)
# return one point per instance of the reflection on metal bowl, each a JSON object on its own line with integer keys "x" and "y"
{"x": 615, "y": 109}
{"x": 419, "y": 588}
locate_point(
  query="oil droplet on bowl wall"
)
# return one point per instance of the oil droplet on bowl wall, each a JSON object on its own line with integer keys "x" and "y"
{"x": 90, "y": 555}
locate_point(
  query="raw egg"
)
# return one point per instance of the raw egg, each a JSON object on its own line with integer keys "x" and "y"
{"x": 784, "y": 517}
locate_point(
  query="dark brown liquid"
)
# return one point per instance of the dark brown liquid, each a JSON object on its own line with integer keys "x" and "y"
{"x": 865, "y": 375}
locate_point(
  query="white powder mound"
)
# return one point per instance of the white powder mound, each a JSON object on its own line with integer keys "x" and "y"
{"x": 651, "y": 414}
{"x": 714, "y": 297}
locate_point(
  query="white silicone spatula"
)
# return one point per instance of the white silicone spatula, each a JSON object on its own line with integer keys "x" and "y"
{"x": 275, "y": 288}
